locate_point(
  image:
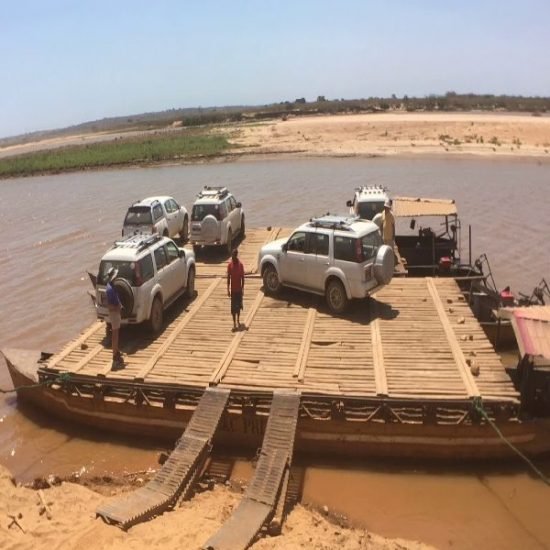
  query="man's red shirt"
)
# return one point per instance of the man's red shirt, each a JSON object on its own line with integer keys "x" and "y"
{"x": 236, "y": 272}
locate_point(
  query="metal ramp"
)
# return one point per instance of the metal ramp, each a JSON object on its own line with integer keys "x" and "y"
{"x": 267, "y": 489}
{"x": 175, "y": 479}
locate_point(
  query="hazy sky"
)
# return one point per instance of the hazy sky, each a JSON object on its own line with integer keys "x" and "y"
{"x": 64, "y": 62}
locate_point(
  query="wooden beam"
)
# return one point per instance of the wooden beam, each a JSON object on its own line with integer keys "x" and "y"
{"x": 88, "y": 357}
{"x": 380, "y": 378}
{"x": 301, "y": 361}
{"x": 197, "y": 304}
{"x": 56, "y": 359}
{"x": 223, "y": 365}
{"x": 469, "y": 382}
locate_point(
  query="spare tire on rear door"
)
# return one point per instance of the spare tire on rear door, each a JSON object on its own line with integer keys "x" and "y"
{"x": 384, "y": 265}
{"x": 209, "y": 228}
{"x": 125, "y": 295}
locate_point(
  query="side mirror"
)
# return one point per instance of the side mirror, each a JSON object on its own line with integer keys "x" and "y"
{"x": 412, "y": 225}
{"x": 239, "y": 205}
{"x": 285, "y": 247}
{"x": 181, "y": 253}
{"x": 349, "y": 204}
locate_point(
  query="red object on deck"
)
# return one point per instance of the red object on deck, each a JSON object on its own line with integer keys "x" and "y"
{"x": 445, "y": 262}
{"x": 507, "y": 297}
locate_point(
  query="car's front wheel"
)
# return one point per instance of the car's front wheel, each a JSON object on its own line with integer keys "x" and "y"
{"x": 336, "y": 297}
{"x": 272, "y": 284}
{"x": 243, "y": 231}
{"x": 156, "y": 317}
{"x": 190, "y": 290}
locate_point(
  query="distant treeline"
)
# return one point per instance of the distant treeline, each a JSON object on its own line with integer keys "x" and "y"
{"x": 451, "y": 101}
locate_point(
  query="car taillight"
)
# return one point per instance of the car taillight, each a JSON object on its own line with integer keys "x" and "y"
{"x": 358, "y": 251}
{"x": 138, "y": 279}
{"x": 368, "y": 272}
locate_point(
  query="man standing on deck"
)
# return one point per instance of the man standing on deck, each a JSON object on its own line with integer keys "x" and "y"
{"x": 114, "y": 306}
{"x": 388, "y": 225}
{"x": 235, "y": 287}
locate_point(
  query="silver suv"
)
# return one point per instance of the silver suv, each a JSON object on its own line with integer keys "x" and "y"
{"x": 161, "y": 215}
{"x": 216, "y": 219}
{"x": 336, "y": 256}
{"x": 152, "y": 273}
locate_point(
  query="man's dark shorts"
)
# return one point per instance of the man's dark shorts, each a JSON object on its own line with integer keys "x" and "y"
{"x": 236, "y": 303}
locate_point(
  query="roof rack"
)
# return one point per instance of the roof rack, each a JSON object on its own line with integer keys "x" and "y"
{"x": 213, "y": 192}
{"x": 342, "y": 223}
{"x": 375, "y": 189}
{"x": 139, "y": 242}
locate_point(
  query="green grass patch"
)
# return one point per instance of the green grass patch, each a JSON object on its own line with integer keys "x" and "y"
{"x": 149, "y": 149}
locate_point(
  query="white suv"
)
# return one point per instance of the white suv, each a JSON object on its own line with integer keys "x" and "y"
{"x": 161, "y": 215}
{"x": 336, "y": 256}
{"x": 368, "y": 201}
{"x": 152, "y": 273}
{"x": 216, "y": 219}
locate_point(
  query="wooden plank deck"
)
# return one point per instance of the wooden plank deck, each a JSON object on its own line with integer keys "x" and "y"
{"x": 416, "y": 339}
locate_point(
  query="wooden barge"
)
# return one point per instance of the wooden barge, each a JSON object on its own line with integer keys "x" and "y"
{"x": 405, "y": 373}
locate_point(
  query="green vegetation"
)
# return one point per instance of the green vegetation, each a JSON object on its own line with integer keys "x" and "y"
{"x": 143, "y": 150}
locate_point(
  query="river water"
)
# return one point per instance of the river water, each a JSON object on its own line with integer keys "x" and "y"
{"x": 53, "y": 228}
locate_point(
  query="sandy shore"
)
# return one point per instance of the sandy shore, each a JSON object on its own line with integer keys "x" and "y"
{"x": 492, "y": 135}
{"x": 375, "y": 134}
{"x": 69, "y": 522}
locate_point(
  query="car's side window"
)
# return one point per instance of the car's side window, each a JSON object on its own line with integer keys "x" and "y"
{"x": 157, "y": 212}
{"x": 146, "y": 268}
{"x": 168, "y": 206}
{"x": 172, "y": 252}
{"x": 175, "y": 205}
{"x": 297, "y": 242}
{"x": 345, "y": 248}
{"x": 320, "y": 244}
{"x": 223, "y": 210}
{"x": 160, "y": 257}
{"x": 233, "y": 203}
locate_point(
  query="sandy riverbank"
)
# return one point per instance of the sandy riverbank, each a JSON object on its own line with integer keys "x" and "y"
{"x": 69, "y": 522}
{"x": 374, "y": 134}
{"x": 481, "y": 134}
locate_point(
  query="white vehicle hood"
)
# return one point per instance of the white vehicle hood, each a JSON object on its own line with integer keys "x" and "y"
{"x": 273, "y": 247}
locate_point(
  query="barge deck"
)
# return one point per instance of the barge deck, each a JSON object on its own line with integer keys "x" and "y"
{"x": 415, "y": 339}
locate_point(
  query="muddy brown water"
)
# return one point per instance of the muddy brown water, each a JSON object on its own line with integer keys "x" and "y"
{"x": 53, "y": 228}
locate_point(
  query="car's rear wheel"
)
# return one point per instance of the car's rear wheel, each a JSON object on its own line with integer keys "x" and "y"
{"x": 336, "y": 297}
{"x": 184, "y": 233}
{"x": 156, "y": 317}
{"x": 229, "y": 243}
{"x": 190, "y": 290}
{"x": 165, "y": 233}
{"x": 272, "y": 284}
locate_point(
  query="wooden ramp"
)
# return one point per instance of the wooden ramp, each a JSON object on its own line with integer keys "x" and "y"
{"x": 175, "y": 478}
{"x": 268, "y": 486}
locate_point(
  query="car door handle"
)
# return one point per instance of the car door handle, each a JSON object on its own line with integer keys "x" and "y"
{"x": 326, "y": 263}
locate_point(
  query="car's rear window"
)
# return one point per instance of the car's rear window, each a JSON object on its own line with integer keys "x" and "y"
{"x": 367, "y": 210}
{"x": 125, "y": 271}
{"x": 200, "y": 211}
{"x": 138, "y": 215}
{"x": 357, "y": 250}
